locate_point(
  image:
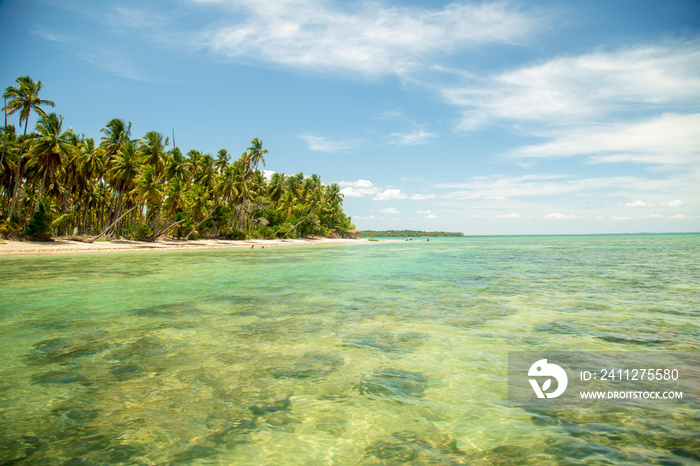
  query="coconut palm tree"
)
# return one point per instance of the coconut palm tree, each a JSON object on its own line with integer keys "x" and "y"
{"x": 122, "y": 173}
{"x": 147, "y": 191}
{"x": 311, "y": 207}
{"x": 178, "y": 166}
{"x": 153, "y": 151}
{"x": 23, "y": 99}
{"x": 7, "y": 168}
{"x": 116, "y": 133}
{"x": 276, "y": 187}
{"x": 51, "y": 148}
{"x": 221, "y": 160}
{"x": 195, "y": 165}
{"x": 198, "y": 201}
{"x": 174, "y": 195}
{"x": 256, "y": 153}
{"x": 207, "y": 172}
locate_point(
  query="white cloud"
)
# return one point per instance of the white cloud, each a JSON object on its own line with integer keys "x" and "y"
{"x": 416, "y": 137}
{"x": 676, "y": 203}
{"x": 588, "y": 87}
{"x": 423, "y": 212}
{"x": 432, "y": 216}
{"x": 511, "y": 215}
{"x": 390, "y": 194}
{"x": 322, "y": 144}
{"x": 360, "y": 37}
{"x": 558, "y": 216}
{"x": 671, "y": 139}
{"x": 636, "y": 203}
{"x": 359, "y": 188}
{"x": 421, "y": 197}
{"x": 389, "y": 210}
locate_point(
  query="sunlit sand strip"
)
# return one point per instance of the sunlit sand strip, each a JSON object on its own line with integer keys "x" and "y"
{"x": 65, "y": 246}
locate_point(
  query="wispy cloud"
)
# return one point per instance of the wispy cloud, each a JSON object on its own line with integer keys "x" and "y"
{"x": 323, "y": 144}
{"x": 414, "y": 138}
{"x": 530, "y": 186}
{"x": 585, "y": 88}
{"x": 368, "y": 38}
{"x": 671, "y": 139}
{"x": 111, "y": 59}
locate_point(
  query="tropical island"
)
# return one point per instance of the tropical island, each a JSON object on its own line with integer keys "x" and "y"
{"x": 57, "y": 182}
{"x": 408, "y": 233}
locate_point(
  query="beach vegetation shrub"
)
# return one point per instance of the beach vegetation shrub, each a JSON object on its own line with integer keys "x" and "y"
{"x": 138, "y": 232}
{"x": 263, "y": 232}
{"x": 39, "y": 226}
{"x": 236, "y": 234}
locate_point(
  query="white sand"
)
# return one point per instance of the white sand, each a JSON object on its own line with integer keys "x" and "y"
{"x": 66, "y": 246}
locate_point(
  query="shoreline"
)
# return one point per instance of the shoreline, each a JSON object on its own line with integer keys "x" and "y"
{"x": 68, "y": 246}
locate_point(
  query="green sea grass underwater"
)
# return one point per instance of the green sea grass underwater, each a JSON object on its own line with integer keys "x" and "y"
{"x": 366, "y": 354}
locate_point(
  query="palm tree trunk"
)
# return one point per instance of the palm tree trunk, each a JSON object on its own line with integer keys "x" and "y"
{"x": 2, "y": 158}
{"x": 42, "y": 187}
{"x": 15, "y": 190}
{"x": 110, "y": 226}
{"x": 206, "y": 217}
{"x": 164, "y": 230}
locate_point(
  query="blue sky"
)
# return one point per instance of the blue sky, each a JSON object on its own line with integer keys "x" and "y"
{"x": 515, "y": 117}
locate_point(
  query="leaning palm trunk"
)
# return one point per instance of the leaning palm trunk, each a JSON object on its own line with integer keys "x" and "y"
{"x": 110, "y": 226}
{"x": 299, "y": 223}
{"x": 203, "y": 220}
{"x": 164, "y": 230}
{"x": 282, "y": 227}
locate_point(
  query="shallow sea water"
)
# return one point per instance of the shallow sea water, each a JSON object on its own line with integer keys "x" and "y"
{"x": 375, "y": 353}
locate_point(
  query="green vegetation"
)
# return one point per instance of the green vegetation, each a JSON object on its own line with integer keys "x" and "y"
{"x": 54, "y": 181}
{"x": 406, "y": 233}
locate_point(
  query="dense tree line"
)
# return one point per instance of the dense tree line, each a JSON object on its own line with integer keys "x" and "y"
{"x": 54, "y": 181}
{"x": 406, "y": 233}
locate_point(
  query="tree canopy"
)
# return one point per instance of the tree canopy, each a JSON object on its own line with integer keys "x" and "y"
{"x": 55, "y": 181}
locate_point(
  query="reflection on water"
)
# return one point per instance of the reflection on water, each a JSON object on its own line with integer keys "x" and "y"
{"x": 382, "y": 353}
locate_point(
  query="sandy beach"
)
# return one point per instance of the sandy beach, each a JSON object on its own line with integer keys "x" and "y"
{"x": 67, "y": 246}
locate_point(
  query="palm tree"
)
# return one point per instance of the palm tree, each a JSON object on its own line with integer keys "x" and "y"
{"x": 148, "y": 191}
{"x": 153, "y": 150}
{"x": 198, "y": 201}
{"x": 312, "y": 205}
{"x": 207, "y": 171}
{"x": 50, "y": 149}
{"x": 117, "y": 133}
{"x": 195, "y": 162}
{"x": 226, "y": 188}
{"x": 177, "y": 166}
{"x": 276, "y": 187}
{"x": 256, "y": 153}
{"x": 122, "y": 174}
{"x": 288, "y": 204}
{"x": 174, "y": 195}
{"x": 23, "y": 99}
{"x": 221, "y": 160}
{"x": 8, "y": 166}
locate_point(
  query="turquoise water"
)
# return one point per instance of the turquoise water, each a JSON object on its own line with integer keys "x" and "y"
{"x": 372, "y": 353}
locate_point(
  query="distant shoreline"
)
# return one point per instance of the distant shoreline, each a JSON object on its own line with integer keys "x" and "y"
{"x": 67, "y": 246}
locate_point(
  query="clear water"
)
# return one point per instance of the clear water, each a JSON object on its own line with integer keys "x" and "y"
{"x": 376, "y": 353}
